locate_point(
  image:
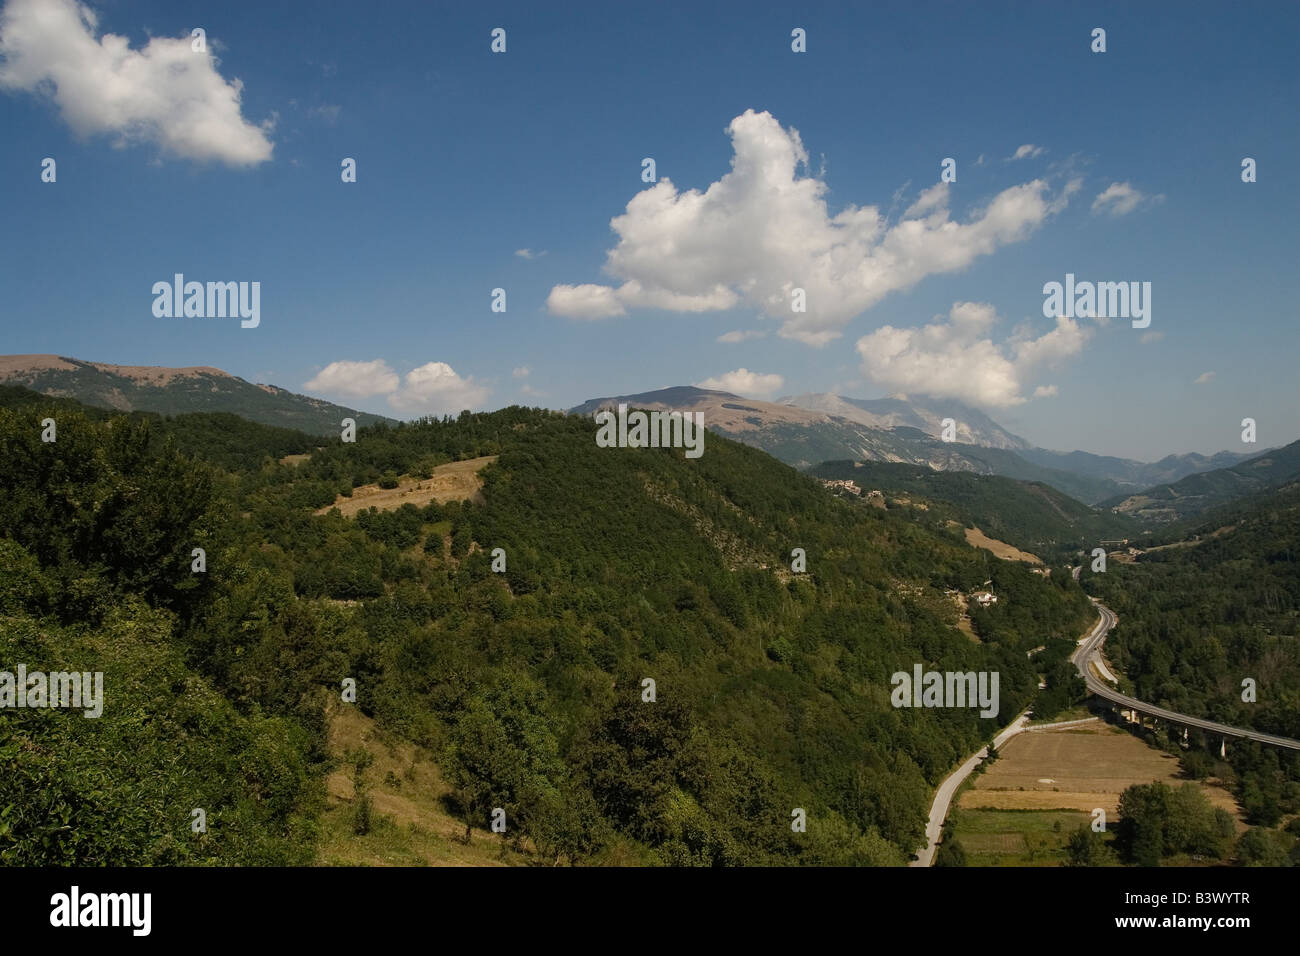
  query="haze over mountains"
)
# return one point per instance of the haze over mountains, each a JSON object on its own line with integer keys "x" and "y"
{"x": 804, "y": 430}
{"x": 1200, "y": 492}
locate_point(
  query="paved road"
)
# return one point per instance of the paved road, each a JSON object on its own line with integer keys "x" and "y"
{"x": 943, "y": 796}
{"x": 1089, "y": 652}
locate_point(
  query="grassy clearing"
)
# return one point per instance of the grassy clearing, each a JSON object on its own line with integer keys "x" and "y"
{"x": 410, "y": 826}
{"x": 457, "y": 481}
{"x": 1016, "y": 837}
{"x": 978, "y": 539}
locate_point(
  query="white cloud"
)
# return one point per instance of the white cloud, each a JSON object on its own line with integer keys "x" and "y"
{"x": 958, "y": 359}
{"x": 584, "y": 301}
{"x": 522, "y": 371}
{"x": 744, "y": 382}
{"x": 435, "y": 389}
{"x": 432, "y": 389}
{"x": 355, "y": 379}
{"x": 1027, "y": 151}
{"x": 529, "y": 390}
{"x": 529, "y": 254}
{"x": 1045, "y": 391}
{"x": 163, "y": 93}
{"x": 1204, "y": 378}
{"x": 740, "y": 335}
{"x": 1120, "y": 199}
{"x": 1149, "y": 337}
{"x": 763, "y": 230}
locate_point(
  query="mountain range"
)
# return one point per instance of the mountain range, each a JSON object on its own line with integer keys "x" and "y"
{"x": 801, "y": 430}
{"x": 804, "y": 430}
{"x": 175, "y": 391}
{"x": 1198, "y": 493}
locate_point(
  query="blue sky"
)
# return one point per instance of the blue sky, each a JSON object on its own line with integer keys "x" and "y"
{"x": 465, "y": 157}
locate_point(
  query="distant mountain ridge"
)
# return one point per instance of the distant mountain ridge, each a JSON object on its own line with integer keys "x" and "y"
{"x": 805, "y": 430}
{"x": 973, "y": 427}
{"x": 176, "y": 391}
{"x": 1194, "y": 494}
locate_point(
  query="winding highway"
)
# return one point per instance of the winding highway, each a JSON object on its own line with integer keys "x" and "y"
{"x": 1088, "y": 657}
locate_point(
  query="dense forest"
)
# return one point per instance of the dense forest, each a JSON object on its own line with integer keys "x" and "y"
{"x": 771, "y": 686}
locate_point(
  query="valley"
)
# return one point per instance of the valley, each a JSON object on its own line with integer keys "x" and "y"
{"x": 514, "y": 683}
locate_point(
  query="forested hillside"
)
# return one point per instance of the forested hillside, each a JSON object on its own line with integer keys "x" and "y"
{"x": 1197, "y": 494}
{"x": 771, "y": 687}
{"x": 1033, "y": 516}
{"x": 1198, "y": 618}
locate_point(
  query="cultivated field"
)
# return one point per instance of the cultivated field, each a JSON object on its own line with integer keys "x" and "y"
{"x": 1016, "y": 837}
{"x": 1077, "y": 768}
{"x": 1045, "y": 785}
{"x": 457, "y": 481}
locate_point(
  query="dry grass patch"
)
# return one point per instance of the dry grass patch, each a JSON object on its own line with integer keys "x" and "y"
{"x": 978, "y": 539}
{"x": 457, "y": 481}
{"x": 411, "y": 827}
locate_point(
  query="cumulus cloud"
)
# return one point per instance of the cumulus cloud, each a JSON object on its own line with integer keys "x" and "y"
{"x": 744, "y": 382}
{"x": 1204, "y": 378}
{"x": 355, "y": 379}
{"x": 740, "y": 335}
{"x": 435, "y": 389}
{"x": 957, "y": 358}
{"x": 1045, "y": 391}
{"x": 164, "y": 93}
{"x": 432, "y": 389}
{"x": 584, "y": 301}
{"x": 1120, "y": 199}
{"x": 522, "y": 371}
{"x": 529, "y": 254}
{"x": 1027, "y": 151}
{"x": 1149, "y": 337}
{"x": 763, "y": 230}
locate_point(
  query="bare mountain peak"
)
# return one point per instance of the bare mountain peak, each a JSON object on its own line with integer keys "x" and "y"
{"x": 722, "y": 410}
{"x": 924, "y": 414}
{"x": 18, "y": 367}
